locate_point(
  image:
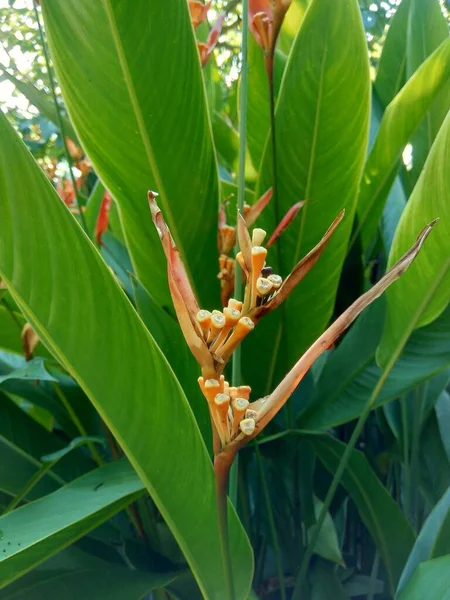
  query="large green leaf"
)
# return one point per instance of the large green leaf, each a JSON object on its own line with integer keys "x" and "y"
{"x": 424, "y": 291}
{"x": 73, "y": 301}
{"x": 26, "y": 442}
{"x": 140, "y": 113}
{"x": 351, "y": 374}
{"x": 382, "y": 516}
{"x": 10, "y": 338}
{"x": 424, "y": 547}
{"x": 90, "y": 583}
{"x": 427, "y": 29}
{"x": 431, "y": 580}
{"x": 391, "y": 72}
{"x": 34, "y": 532}
{"x": 401, "y": 118}
{"x": 322, "y": 120}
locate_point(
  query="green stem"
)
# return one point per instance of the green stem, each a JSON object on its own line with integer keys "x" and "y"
{"x": 11, "y": 313}
{"x": 273, "y": 136}
{"x": 237, "y": 364}
{"x": 34, "y": 480}
{"x": 76, "y": 421}
{"x": 406, "y": 455}
{"x": 58, "y": 113}
{"x": 271, "y": 519}
{"x": 221, "y": 472}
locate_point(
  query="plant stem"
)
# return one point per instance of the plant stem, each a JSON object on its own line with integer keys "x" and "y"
{"x": 237, "y": 365}
{"x": 34, "y": 480}
{"x": 273, "y": 137}
{"x": 272, "y": 526}
{"x": 76, "y": 421}
{"x": 11, "y": 313}
{"x": 58, "y": 113}
{"x": 222, "y": 466}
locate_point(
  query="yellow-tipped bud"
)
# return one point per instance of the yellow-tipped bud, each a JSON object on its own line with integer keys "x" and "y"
{"x": 236, "y": 304}
{"x": 241, "y": 262}
{"x": 217, "y": 324}
{"x": 263, "y": 286}
{"x": 244, "y": 391}
{"x": 247, "y": 426}
{"x": 242, "y": 328}
{"x": 259, "y": 254}
{"x": 232, "y": 316}
{"x": 276, "y": 281}
{"x": 211, "y": 388}
{"x": 204, "y": 320}
{"x": 233, "y": 391}
{"x": 222, "y": 400}
{"x": 258, "y": 236}
{"x": 239, "y": 405}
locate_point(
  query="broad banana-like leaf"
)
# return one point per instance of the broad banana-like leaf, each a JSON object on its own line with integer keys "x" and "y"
{"x": 427, "y": 29}
{"x": 90, "y": 583}
{"x": 424, "y": 292}
{"x": 36, "y": 531}
{"x": 322, "y": 121}
{"x": 424, "y": 546}
{"x": 382, "y": 516}
{"x": 140, "y": 112}
{"x": 401, "y": 118}
{"x": 431, "y": 580}
{"x": 391, "y": 72}
{"x": 73, "y": 301}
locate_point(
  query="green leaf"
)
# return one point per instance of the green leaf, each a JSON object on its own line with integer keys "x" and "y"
{"x": 426, "y": 540}
{"x": 22, "y": 444}
{"x": 95, "y": 583}
{"x": 401, "y": 118}
{"x": 167, "y": 334}
{"x": 431, "y": 580}
{"x": 443, "y": 418}
{"x": 10, "y": 338}
{"x": 43, "y": 102}
{"x": 140, "y": 112}
{"x": 382, "y": 516}
{"x": 427, "y": 29}
{"x": 322, "y": 120}
{"x": 351, "y": 374}
{"x": 30, "y": 536}
{"x": 33, "y": 370}
{"x": 424, "y": 292}
{"x": 77, "y": 307}
{"x": 434, "y": 462}
{"x": 325, "y": 583}
{"x": 391, "y": 72}
{"x": 327, "y": 544}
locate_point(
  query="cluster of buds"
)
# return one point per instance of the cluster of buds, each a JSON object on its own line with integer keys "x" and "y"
{"x": 199, "y": 12}
{"x": 214, "y": 336}
{"x": 265, "y": 19}
{"x": 227, "y": 240}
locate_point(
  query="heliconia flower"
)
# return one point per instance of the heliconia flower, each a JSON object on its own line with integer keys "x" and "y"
{"x": 76, "y": 153}
{"x": 205, "y": 49}
{"x": 259, "y": 413}
{"x": 103, "y": 217}
{"x": 265, "y": 20}
{"x": 66, "y": 192}
{"x": 199, "y": 12}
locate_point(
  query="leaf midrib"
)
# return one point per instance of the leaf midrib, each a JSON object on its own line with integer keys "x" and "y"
{"x": 169, "y": 217}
